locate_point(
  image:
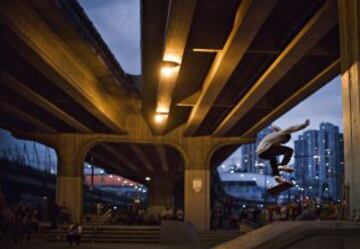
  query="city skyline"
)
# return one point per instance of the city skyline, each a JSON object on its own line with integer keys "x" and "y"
{"x": 316, "y": 108}
{"x": 318, "y": 163}
{"x": 238, "y": 157}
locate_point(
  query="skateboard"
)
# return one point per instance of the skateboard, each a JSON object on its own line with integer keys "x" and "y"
{"x": 285, "y": 185}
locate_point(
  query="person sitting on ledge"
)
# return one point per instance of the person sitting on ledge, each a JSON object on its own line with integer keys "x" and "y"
{"x": 74, "y": 234}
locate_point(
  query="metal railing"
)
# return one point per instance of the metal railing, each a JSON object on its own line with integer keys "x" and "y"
{"x": 103, "y": 218}
{"x": 99, "y": 222}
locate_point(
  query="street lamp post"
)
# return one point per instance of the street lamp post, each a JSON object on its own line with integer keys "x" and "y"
{"x": 92, "y": 187}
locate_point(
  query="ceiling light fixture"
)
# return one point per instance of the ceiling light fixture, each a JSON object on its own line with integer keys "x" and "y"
{"x": 160, "y": 117}
{"x": 168, "y": 67}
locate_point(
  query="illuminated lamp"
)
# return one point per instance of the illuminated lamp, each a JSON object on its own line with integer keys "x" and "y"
{"x": 168, "y": 67}
{"x": 160, "y": 117}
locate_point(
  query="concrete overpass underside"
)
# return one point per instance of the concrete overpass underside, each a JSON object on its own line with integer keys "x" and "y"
{"x": 214, "y": 73}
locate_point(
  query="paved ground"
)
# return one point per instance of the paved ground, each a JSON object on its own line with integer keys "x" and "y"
{"x": 46, "y": 245}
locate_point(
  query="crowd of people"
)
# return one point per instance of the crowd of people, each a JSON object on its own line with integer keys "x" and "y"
{"x": 143, "y": 216}
{"x": 228, "y": 214}
{"x": 59, "y": 214}
{"x": 19, "y": 221}
{"x": 305, "y": 210}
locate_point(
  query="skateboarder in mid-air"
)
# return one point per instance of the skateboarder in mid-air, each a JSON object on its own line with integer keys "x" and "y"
{"x": 270, "y": 147}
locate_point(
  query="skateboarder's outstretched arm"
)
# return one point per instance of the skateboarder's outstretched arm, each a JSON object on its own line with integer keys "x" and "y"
{"x": 295, "y": 128}
{"x": 275, "y": 128}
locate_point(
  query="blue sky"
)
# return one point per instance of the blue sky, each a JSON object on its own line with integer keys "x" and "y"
{"x": 118, "y": 22}
{"x": 14, "y": 146}
{"x": 324, "y": 105}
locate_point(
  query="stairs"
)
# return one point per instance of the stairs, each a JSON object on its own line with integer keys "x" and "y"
{"x": 109, "y": 234}
{"x": 131, "y": 234}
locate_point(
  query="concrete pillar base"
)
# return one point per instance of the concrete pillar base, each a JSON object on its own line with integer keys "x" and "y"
{"x": 69, "y": 191}
{"x": 197, "y": 198}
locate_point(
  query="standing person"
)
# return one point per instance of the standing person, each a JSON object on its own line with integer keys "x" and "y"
{"x": 271, "y": 147}
{"x": 15, "y": 227}
{"x": 26, "y": 229}
{"x": 34, "y": 222}
{"x": 74, "y": 234}
{"x": 179, "y": 214}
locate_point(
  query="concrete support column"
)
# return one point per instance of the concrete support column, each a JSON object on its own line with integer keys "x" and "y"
{"x": 69, "y": 183}
{"x": 197, "y": 204}
{"x": 197, "y": 187}
{"x": 160, "y": 194}
{"x": 349, "y": 22}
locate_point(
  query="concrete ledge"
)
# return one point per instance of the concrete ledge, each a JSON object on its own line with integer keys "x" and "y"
{"x": 178, "y": 233}
{"x": 296, "y": 235}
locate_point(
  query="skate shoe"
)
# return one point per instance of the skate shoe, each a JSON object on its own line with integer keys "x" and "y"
{"x": 286, "y": 168}
{"x": 278, "y": 179}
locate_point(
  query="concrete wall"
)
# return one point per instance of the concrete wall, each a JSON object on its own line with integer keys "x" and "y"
{"x": 296, "y": 235}
{"x": 328, "y": 242}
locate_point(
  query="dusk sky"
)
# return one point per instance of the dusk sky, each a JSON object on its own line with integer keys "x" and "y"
{"x": 119, "y": 25}
{"x": 118, "y": 22}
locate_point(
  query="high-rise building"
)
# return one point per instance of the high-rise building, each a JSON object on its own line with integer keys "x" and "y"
{"x": 249, "y": 161}
{"x": 319, "y": 162}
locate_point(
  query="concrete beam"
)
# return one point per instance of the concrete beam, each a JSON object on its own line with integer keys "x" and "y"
{"x": 249, "y": 18}
{"x": 40, "y": 101}
{"x": 310, "y": 87}
{"x": 26, "y": 117}
{"x": 190, "y": 101}
{"x": 163, "y": 159}
{"x": 139, "y": 153}
{"x": 318, "y": 26}
{"x": 178, "y": 28}
{"x": 193, "y": 99}
{"x": 28, "y": 33}
{"x": 119, "y": 157}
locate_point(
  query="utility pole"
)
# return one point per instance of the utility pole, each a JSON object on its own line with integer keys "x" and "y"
{"x": 92, "y": 186}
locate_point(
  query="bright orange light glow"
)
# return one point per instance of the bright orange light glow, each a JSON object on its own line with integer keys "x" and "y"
{"x": 169, "y": 67}
{"x": 160, "y": 117}
{"x": 167, "y": 71}
{"x": 162, "y": 109}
